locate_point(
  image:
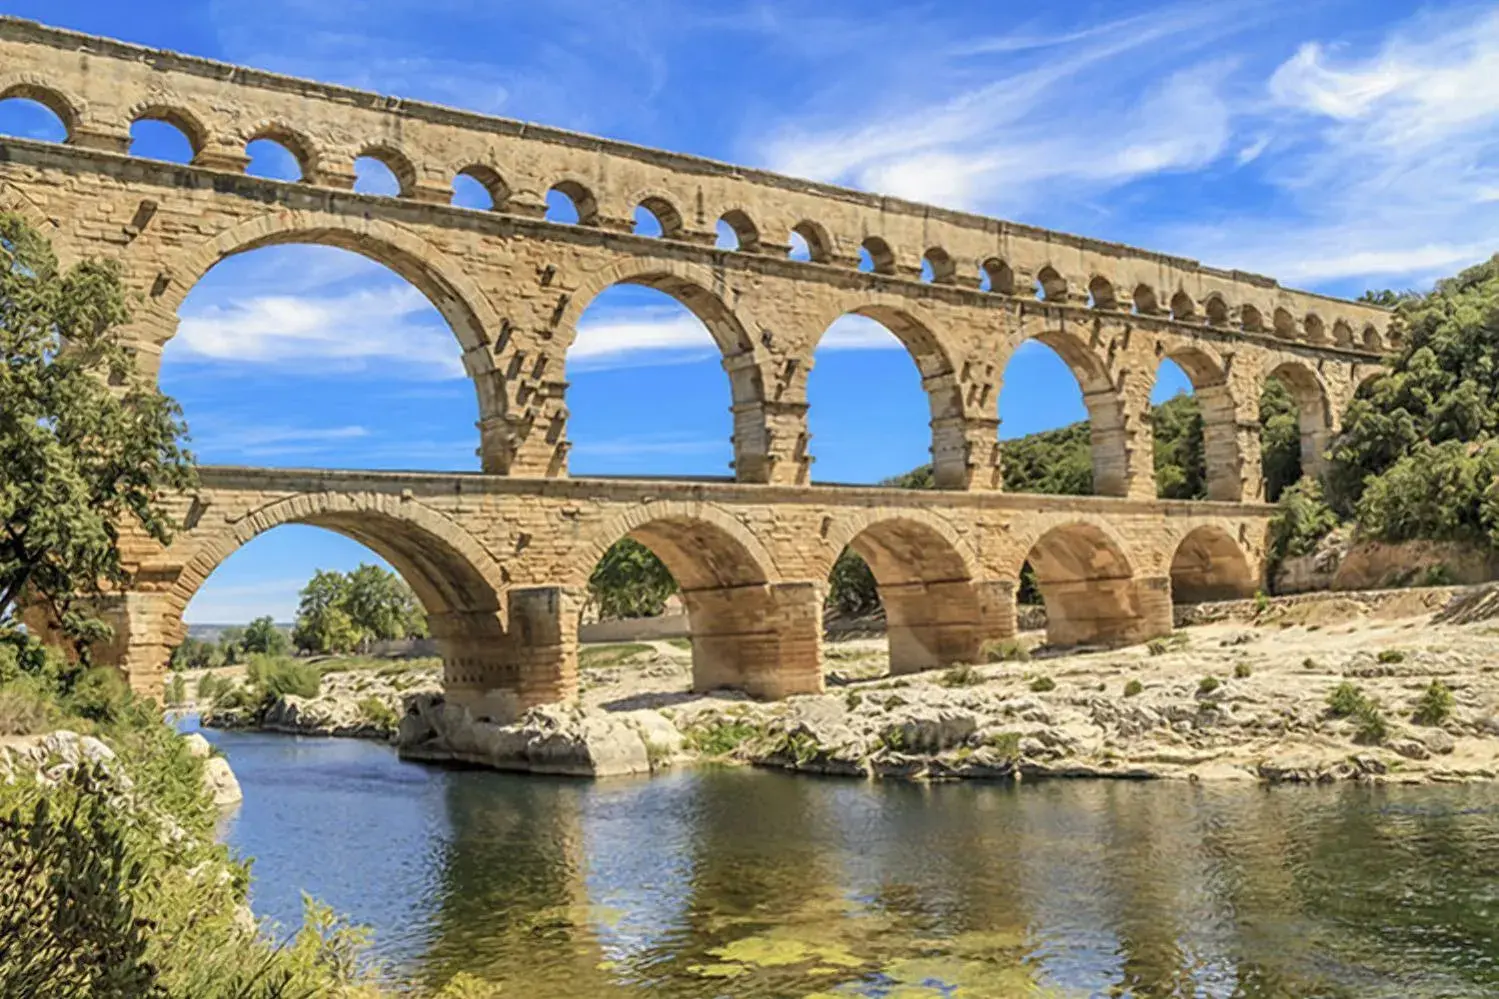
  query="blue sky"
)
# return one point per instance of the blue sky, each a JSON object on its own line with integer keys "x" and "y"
{"x": 1335, "y": 144}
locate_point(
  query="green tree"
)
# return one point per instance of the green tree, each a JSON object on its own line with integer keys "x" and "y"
{"x": 262, "y": 637}
{"x": 196, "y": 653}
{"x": 1280, "y": 438}
{"x": 88, "y": 446}
{"x": 322, "y": 624}
{"x": 1442, "y": 387}
{"x": 379, "y": 603}
{"x": 232, "y": 645}
{"x": 630, "y": 581}
{"x": 851, "y": 585}
{"x": 1180, "y": 469}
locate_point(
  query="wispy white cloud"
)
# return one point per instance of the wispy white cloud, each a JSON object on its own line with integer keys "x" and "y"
{"x": 261, "y": 441}
{"x": 355, "y": 330}
{"x": 1385, "y": 164}
{"x": 650, "y": 335}
{"x": 994, "y": 143}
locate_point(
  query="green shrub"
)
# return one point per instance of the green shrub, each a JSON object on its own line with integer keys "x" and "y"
{"x": 1242, "y": 671}
{"x": 1157, "y": 647}
{"x": 1435, "y": 706}
{"x": 1301, "y": 520}
{"x": 961, "y": 675}
{"x": 271, "y": 677}
{"x": 1043, "y": 684}
{"x": 1006, "y": 744}
{"x": 1391, "y": 656}
{"x": 378, "y": 713}
{"x": 1438, "y": 575}
{"x": 1308, "y": 663}
{"x": 1006, "y": 650}
{"x": 1208, "y": 684}
{"x": 852, "y": 699}
{"x": 721, "y": 738}
{"x": 1369, "y": 724}
{"x": 1133, "y": 688}
{"x": 209, "y": 687}
{"x": 1261, "y": 602}
{"x": 1345, "y": 700}
{"x": 27, "y": 708}
{"x": 176, "y": 692}
{"x": 100, "y": 695}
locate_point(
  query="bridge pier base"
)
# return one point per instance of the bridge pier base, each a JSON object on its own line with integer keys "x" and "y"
{"x": 765, "y": 640}
{"x": 1111, "y": 612}
{"x": 499, "y": 674}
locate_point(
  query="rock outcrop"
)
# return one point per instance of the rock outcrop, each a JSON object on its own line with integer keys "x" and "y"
{"x": 555, "y": 739}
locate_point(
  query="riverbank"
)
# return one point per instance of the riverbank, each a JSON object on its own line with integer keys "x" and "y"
{"x": 1382, "y": 689}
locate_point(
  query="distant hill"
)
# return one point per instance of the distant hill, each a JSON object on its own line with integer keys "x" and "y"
{"x": 212, "y": 632}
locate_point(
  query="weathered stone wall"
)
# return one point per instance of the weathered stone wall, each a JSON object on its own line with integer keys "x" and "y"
{"x": 514, "y": 286}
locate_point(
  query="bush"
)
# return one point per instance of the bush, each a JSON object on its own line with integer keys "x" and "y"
{"x": 27, "y": 708}
{"x": 1043, "y": 684}
{"x": 961, "y": 675}
{"x": 378, "y": 713}
{"x": 1005, "y": 650}
{"x": 1435, "y": 706}
{"x": 100, "y": 695}
{"x": 1301, "y": 520}
{"x": 1133, "y": 688}
{"x": 1157, "y": 647}
{"x": 69, "y": 923}
{"x": 1006, "y": 744}
{"x": 272, "y": 678}
{"x": 1391, "y": 656}
{"x": 176, "y": 692}
{"x": 721, "y": 738}
{"x": 1345, "y": 700}
{"x": 1369, "y": 724}
{"x": 209, "y": 687}
{"x": 1208, "y": 684}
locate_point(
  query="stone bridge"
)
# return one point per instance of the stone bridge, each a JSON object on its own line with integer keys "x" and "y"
{"x": 501, "y": 564}
{"x": 961, "y": 293}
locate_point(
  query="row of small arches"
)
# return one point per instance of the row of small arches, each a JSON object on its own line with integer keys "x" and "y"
{"x": 383, "y": 169}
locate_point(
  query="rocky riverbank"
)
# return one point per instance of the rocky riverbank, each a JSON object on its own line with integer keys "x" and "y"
{"x": 1381, "y": 689}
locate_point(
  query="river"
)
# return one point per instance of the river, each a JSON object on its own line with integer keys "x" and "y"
{"x": 750, "y": 884}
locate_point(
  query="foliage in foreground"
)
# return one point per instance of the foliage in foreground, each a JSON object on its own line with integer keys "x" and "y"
{"x": 116, "y": 888}
{"x": 86, "y": 443}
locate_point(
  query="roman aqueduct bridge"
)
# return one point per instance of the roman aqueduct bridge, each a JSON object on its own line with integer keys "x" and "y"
{"x": 500, "y": 558}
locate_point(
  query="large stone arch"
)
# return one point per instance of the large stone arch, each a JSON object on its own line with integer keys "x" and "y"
{"x": 735, "y": 556}
{"x": 1088, "y": 352}
{"x": 935, "y": 361}
{"x": 446, "y": 565}
{"x": 457, "y": 298}
{"x": 750, "y": 631}
{"x": 1218, "y": 407}
{"x": 457, "y": 581}
{"x": 704, "y": 293}
{"x": 926, "y": 576}
{"x": 1313, "y": 403}
{"x": 1089, "y": 584}
{"x": 452, "y": 292}
{"x": 1207, "y": 563}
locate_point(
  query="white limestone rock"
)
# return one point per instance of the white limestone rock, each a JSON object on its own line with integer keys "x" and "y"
{"x": 552, "y": 739}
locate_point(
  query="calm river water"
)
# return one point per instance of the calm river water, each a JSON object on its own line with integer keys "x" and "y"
{"x": 748, "y": 884}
